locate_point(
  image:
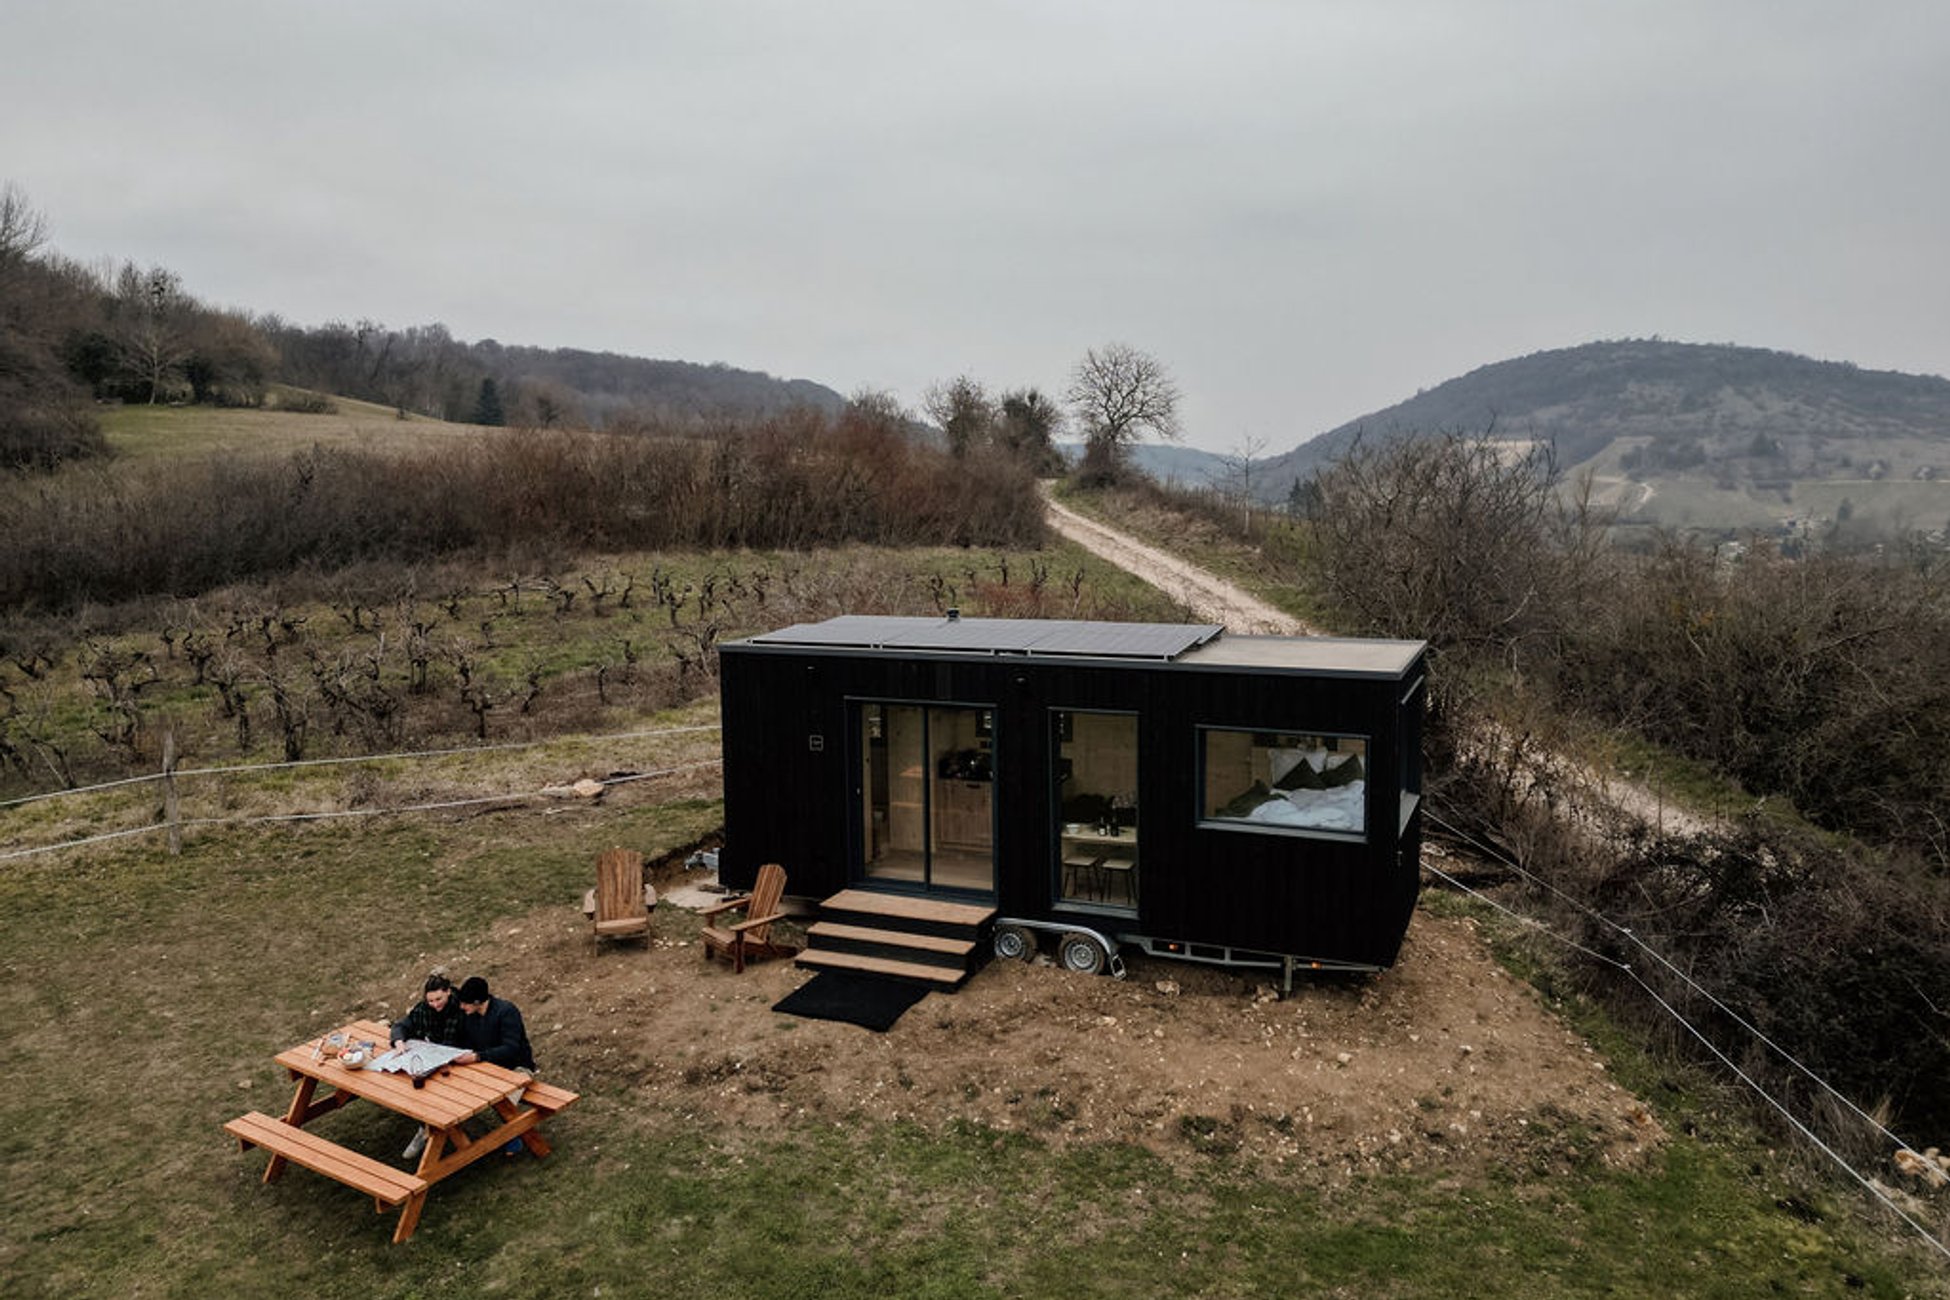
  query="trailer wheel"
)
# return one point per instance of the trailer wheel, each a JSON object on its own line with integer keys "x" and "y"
{"x": 1079, "y": 952}
{"x": 1015, "y": 943}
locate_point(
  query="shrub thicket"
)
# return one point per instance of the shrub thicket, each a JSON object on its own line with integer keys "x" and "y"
{"x": 45, "y": 419}
{"x": 1817, "y": 680}
{"x": 1812, "y": 679}
{"x": 1838, "y": 953}
{"x": 798, "y": 481}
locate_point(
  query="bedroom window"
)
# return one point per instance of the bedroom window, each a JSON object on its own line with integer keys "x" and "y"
{"x": 1284, "y": 781}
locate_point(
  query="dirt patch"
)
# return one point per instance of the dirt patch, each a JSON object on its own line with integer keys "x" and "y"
{"x": 1445, "y": 1061}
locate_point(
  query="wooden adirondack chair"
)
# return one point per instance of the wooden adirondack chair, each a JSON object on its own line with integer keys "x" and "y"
{"x": 750, "y": 938}
{"x": 619, "y": 906}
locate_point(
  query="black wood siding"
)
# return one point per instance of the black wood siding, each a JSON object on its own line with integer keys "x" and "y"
{"x": 790, "y": 763}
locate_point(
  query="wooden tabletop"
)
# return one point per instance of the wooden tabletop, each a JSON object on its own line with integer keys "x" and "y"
{"x": 1088, "y": 835}
{"x": 443, "y": 1100}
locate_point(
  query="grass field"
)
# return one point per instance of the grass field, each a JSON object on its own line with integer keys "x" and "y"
{"x": 140, "y": 433}
{"x": 145, "y": 995}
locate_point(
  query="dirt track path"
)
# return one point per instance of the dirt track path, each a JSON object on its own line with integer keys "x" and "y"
{"x": 1209, "y": 596}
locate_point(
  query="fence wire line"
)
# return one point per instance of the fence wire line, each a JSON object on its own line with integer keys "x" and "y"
{"x": 1491, "y": 852}
{"x": 519, "y": 796}
{"x": 1868, "y": 1184}
{"x": 355, "y": 758}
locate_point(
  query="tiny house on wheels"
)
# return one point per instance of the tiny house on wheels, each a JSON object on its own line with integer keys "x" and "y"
{"x": 1247, "y": 800}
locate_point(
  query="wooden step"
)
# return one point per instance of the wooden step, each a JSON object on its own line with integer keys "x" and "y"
{"x": 906, "y": 907}
{"x": 890, "y": 938}
{"x": 943, "y": 977}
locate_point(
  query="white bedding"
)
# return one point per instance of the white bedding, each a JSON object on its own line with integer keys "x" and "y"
{"x": 1339, "y": 809}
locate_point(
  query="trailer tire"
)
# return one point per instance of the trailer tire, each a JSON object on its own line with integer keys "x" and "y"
{"x": 1015, "y": 943}
{"x": 1079, "y": 952}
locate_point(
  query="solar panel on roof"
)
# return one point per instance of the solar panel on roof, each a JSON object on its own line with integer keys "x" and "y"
{"x": 1000, "y": 636}
{"x": 864, "y": 630}
{"x": 996, "y": 635}
{"x": 1126, "y": 640}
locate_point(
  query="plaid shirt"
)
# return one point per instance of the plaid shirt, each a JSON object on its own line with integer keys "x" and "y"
{"x": 424, "y": 1022}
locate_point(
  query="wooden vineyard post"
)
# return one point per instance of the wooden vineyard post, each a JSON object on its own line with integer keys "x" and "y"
{"x": 172, "y": 811}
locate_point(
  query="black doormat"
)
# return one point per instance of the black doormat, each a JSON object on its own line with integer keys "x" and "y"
{"x": 857, "y": 999}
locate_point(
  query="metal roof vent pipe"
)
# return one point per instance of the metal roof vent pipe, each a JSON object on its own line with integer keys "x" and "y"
{"x": 954, "y": 615}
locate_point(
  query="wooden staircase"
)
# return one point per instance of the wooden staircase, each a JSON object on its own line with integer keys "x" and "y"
{"x": 900, "y": 937}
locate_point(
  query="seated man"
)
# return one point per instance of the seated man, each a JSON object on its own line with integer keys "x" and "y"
{"x": 492, "y": 1031}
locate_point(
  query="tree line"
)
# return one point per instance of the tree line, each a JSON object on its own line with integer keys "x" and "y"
{"x": 803, "y": 479}
{"x": 75, "y": 334}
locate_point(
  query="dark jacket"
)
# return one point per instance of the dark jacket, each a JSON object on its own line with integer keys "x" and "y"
{"x": 423, "y": 1022}
{"x": 498, "y": 1036}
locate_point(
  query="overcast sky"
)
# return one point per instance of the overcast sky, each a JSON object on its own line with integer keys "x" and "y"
{"x": 1307, "y": 210}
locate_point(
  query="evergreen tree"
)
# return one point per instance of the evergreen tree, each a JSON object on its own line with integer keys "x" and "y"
{"x": 487, "y": 406}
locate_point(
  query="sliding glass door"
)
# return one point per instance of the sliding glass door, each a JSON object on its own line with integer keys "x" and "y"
{"x": 927, "y": 797}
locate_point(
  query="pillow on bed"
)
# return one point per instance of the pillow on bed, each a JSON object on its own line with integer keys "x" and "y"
{"x": 1242, "y": 805}
{"x": 1302, "y": 776}
{"x": 1342, "y": 769}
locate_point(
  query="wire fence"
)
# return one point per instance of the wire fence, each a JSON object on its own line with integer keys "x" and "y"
{"x": 1868, "y": 1183}
{"x": 339, "y": 762}
{"x": 172, "y": 825}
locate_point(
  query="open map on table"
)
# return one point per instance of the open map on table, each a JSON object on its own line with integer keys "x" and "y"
{"x": 416, "y": 1057}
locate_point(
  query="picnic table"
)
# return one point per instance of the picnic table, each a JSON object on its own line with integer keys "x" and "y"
{"x": 444, "y": 1102}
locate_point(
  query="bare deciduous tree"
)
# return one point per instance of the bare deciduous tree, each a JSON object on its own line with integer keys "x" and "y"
{"x": 1451, "y": 540}
{"x": 152, "y": 316}
{"x": 46, "y": 305}
{"x": 875, "y": 408}
{"x": 23, "y": 229}
{"x": 1119, "y": 394}
{"x": 1235, "y": 482}
{"x": 545, "y": 404}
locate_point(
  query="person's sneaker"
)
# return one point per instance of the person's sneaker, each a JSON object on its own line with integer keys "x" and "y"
{"x": 513, "y": 1148}
{"x": 415, "y": 1147}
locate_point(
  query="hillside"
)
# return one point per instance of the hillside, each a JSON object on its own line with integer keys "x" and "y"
{"x": 609, "y": 382}
{"x": 426, "y": 371}
{"x": 1710, "y": 435}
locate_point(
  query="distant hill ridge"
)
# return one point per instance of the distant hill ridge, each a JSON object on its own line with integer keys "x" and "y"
{"x": 609, "y": 381}
{"x": 1648, "y": 411}
{"x": 1585, "y": 398}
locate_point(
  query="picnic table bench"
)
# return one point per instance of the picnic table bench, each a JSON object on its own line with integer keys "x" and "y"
{"x": 386, "y": 1185}
{"x": 443, "y": 1102}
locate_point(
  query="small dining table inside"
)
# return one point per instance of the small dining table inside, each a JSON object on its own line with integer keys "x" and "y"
{"x": 1097, "y": 862}
{"x": 511, "y": 1103}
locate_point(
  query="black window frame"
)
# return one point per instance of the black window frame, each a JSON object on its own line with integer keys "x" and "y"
{"x": 1206, "y": 821}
